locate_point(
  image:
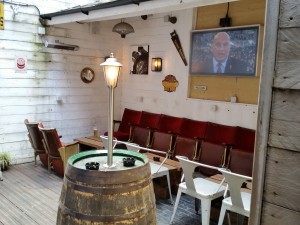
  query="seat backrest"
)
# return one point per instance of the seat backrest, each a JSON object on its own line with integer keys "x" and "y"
{"x": 220, "y": 134}
{"x": 244, "y": 139}
{"x": 150, "y": 120}
{"x": 170, "y": 124}
{"x": 193, "y": 129}
{"x": 105, "y": 141}
{"x": 186, "y": 147}
{"x": 212, "y": 154}
{"x": 162, "y": 141}
{"x": 51, "y": 140}
{"x": 129, "y": 117}
{"x": 35, "y": 135}
{"x": 141, "y": 136}
{"x": 188, "y": 168}
{"x": 240, "y": 162}
{"x": 235, "y": 182}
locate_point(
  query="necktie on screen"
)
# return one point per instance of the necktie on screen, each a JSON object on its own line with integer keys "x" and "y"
{"x": 219, "y": 69}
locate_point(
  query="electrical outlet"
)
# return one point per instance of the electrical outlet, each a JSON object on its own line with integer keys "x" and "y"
{"x": 200, "y": 88}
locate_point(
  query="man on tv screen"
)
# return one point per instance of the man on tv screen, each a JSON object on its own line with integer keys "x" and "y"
{"x": 221, "y": 62}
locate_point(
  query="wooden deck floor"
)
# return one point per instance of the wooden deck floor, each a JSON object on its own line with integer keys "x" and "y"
{"x": 30, "y": 196}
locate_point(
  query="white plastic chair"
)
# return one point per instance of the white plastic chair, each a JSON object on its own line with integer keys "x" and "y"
{"x": 200, "y": 188}
{"x": 238, "y": 201}
{"x": 156, "y": 170}
{"x": 105, "y": 141}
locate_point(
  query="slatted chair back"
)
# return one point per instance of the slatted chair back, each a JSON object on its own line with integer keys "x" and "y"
{"x": 35, "y": 137}
{"x": 52, "y": 144}
{"x": 238, "y": 201}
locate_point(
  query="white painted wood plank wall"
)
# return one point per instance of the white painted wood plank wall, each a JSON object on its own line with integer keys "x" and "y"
{"x": 51, "y": 73}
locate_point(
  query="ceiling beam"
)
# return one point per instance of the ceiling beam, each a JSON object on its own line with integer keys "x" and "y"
{"x": 132, "y": 10}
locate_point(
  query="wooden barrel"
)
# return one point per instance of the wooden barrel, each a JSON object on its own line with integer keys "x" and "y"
{"x": 119, "y": 196}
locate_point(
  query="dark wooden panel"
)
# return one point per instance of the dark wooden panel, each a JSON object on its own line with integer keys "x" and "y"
{"x": 276, "y": 215}
{"x": 282, "y": 178}
{"x": 289, "y": 13}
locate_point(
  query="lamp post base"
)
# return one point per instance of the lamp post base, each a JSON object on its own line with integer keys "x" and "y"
{"x": 111, "y": 166}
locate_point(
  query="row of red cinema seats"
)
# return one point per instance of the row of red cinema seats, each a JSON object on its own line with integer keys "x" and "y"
{"x": 205, "y": 142}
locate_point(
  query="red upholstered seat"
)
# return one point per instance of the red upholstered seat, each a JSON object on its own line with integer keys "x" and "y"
{"x": 53, "y": 143}
{"x": 170, "y": 124}
{"x": 186, "y": 147}
{"x": 130, "y": 116}
{"x": 244, "y": 139}
{"x": 240, "y": 162}
{"x": 162, "y": 141}
{"x": 141, "y": 134}
{"x": 192, "y": 128}
{"x": 150, "y": 120}
{"x": 220, "y": 134}
{"x": 35, "y": 138}
{"x": 211, "y": 154}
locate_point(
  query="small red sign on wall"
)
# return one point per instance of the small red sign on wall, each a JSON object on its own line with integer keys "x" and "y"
{"x": 20, "y": 64}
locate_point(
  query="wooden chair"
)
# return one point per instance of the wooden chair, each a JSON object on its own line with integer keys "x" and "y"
{"x": 35, "y": 138}
{"x": 58, "y": 153}
{"x": 238, "y": 201}
{"x": 200, "y": 188}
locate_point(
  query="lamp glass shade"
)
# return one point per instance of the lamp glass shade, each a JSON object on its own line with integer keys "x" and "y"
{"x": 111, "y": 74}
{"x": 156, "y": 64}
{"x": 111, "y": 69}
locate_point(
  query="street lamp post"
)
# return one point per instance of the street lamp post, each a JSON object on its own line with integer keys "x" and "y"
{"x": 111, "y": 69}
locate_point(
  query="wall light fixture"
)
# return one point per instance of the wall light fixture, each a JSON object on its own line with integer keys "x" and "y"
{"x": 156, "y": 64}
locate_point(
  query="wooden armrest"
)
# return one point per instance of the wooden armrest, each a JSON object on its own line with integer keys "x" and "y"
{"x": 71, "y": 144}
{"x": 67, "y": 151}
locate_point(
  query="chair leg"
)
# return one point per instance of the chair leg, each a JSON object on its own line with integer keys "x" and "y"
{"x": 169, "y": 187}
{"x": 205, "y": 211}
{"x": 176, "y": 205}
{"x": 197, "y": 205}
{"x": 35, "y": 155}
{"x": 49, "y": 164}
{"x": 222, "y": 215}
{"x": 228, "y": 218}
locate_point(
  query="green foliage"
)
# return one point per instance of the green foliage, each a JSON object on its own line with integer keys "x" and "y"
{"x": 4, "y": 160}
